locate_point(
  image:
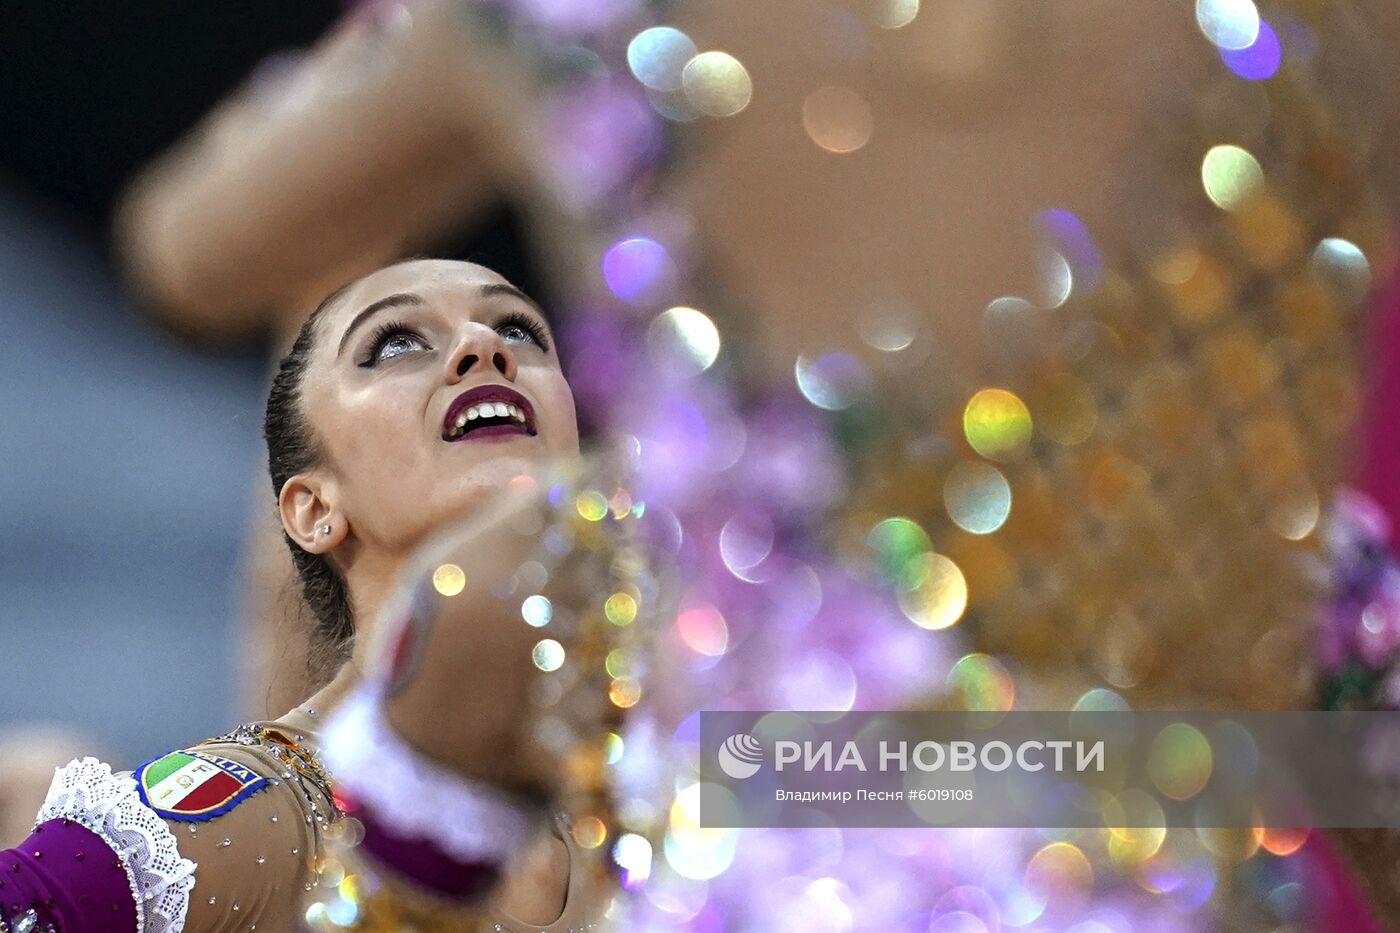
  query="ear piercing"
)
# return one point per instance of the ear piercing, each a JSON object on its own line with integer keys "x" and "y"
{"x": 326, "y": 529}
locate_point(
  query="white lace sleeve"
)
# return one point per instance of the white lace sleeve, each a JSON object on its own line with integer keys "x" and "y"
{"x": 415, "y": 797}
{"x": 88, "y": 793}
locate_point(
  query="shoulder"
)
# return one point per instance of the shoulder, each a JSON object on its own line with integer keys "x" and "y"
{"x": 248, "y": 808}
{"x": 240, "y": 814}
{"x": 196, "y": 784}
{"x": 218, "y": 775}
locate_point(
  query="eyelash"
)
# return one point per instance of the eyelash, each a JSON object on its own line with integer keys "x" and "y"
{"x": 526, "y": 323}
{"x": 381, "y": 336}
{"x": 519, "y": 319}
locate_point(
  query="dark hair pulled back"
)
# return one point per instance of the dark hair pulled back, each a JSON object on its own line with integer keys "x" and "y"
{"x": 291, "y": 449}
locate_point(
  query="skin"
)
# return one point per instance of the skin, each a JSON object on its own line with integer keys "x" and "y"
{"x": 398, "y": 499}
{"x": 388, "y": 478}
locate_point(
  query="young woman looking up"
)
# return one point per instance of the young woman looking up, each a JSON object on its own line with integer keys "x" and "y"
{"x": 411, "y": 423}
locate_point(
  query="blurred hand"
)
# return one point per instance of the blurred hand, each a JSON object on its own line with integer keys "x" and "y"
{"x": 404, "y": 121}
{"x": 458, "y": 655}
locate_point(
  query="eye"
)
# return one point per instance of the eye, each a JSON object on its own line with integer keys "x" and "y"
{"x": 392, "y": 340}
{"x": 518, "y": 327}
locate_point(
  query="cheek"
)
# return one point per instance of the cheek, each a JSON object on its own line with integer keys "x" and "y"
{"x": 379, "y": 447}
{"x": 561, "y": 419}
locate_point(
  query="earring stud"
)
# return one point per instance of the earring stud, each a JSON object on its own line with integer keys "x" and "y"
{"x": 326, "y": 529}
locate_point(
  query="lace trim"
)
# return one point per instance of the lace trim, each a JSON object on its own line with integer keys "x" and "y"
{"x": 87, "y": 792}
{"x": 415, "y": 797}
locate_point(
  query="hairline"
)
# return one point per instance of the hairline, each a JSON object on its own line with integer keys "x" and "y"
{"x": 327, "y": 303}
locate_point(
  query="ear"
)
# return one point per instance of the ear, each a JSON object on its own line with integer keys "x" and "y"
{"x": 307, "y": 506}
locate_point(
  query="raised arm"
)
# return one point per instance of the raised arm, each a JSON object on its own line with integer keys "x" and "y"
{"x": 396, "y": 126}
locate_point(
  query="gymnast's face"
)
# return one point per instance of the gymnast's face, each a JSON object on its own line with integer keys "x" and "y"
{"x": 432, "y": 384}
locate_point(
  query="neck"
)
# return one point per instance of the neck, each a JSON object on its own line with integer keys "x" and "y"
{"x": 371, "y": 583}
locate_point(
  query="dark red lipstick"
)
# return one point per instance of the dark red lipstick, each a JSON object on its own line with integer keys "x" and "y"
{"x": 488, "y": 411}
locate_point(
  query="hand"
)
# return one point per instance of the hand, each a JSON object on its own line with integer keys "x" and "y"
{"x": 402, "y": 123}
{"x": 457, "y": 658}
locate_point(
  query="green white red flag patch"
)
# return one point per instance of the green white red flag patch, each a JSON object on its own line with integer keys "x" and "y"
{"x": 192, "y": 786}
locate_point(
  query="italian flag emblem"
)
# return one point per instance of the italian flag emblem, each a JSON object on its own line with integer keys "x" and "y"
{"x": 194, "y": 786}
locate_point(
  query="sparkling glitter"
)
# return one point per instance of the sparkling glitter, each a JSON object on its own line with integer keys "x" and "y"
{"x": 449, "y": 580}
{"x": 658, "y": 56}
{"x": 1296, "y": 513}
{"x": 693, "y": 851}
{"x": 1258, "y": 60}
{"x": 1059, "y": 874}
{"x": 548, "y": 654}
{"x": 591, "y": 505}
{"x": 1343, "y": 264}
{"x": 896, "y": 14}
{"x": 978, "y": 497}
{"x": 685, "y": 338}
{"x": 703, "y": 630}
{"x": 1099, "y": 700}
{"x": 1229, "y": 24}
{"x": 896, "y": 545}
{"x": 618, "y": 663}
{"x": 888, "y": 326}
{"x": 1179, "y": 761}
{"x": 632, "y": 853}
{"x": 537, "y": 610}
{"x": 833, "y": 381}
{"x": 1230, "y": 176}
{"x": 980, "y": 682}
{"x": 638, "y": 270}
{"x": 717, "y": 84}
{"x": 1012, "y": 327}
{"x": 589, "y": 832}
{"x": 1056, "y": 279}
{"x": 342, "y": 912}
{"x": 1281, "y": 842}
{"x": 745, "y": 541}
{"x": 624, "y": 692}
{"x": 1066, "y": 234}
{"x": 837, "y": 119}
{"x": 1136, "y": 827}
{"x": 613, "y": 747}
{"x": 620, "y": 609}
{"x": 937, "y": 594}
{"x": 330, "y": 872}
{"x": 997, "y": 424}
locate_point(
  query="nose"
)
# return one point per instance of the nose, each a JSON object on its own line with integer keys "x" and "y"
{"x": 480, "y": 348}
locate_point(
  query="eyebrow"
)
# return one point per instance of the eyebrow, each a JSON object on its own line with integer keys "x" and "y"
{"x": 400, "y": 299}
{"x": 505, "y": 288}
{"x": 391, "y": 301}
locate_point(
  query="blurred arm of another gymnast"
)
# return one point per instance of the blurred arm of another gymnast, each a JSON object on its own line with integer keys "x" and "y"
{"x": 399, "y": 124}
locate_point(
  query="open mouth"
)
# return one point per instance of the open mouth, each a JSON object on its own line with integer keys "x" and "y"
{"x": 488, "y": 411}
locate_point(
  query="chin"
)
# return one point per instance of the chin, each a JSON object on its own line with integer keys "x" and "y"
{"x": 497, "y": 472}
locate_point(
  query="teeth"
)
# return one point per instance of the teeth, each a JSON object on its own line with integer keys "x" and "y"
{"x": 489, "y": 410}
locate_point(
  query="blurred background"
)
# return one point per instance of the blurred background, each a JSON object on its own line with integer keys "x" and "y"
{"x": 984, "y": 354}
{"x": 122, "y": 528}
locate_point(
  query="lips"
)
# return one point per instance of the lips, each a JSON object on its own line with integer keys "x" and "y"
{"x": 488, "y": 411}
